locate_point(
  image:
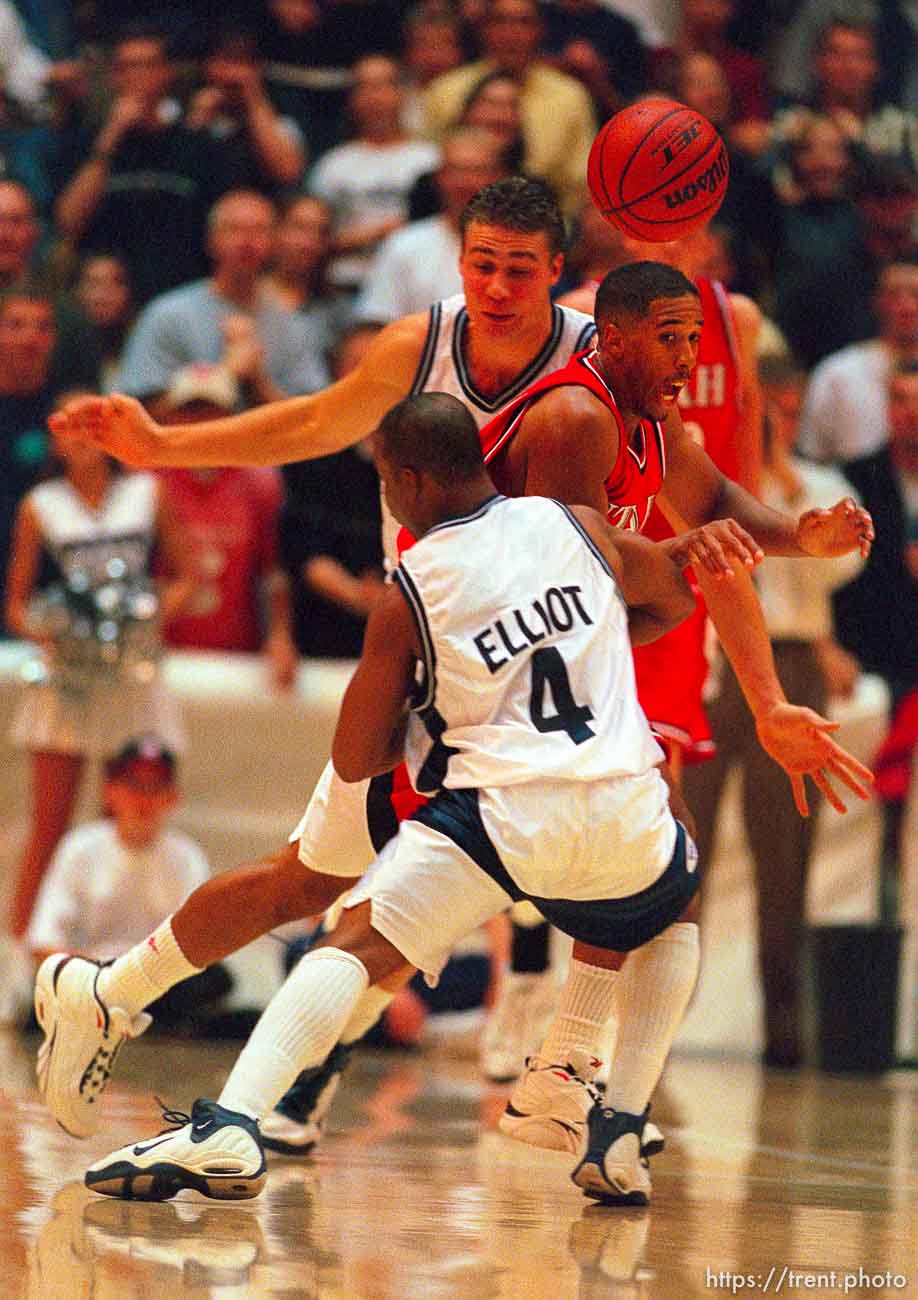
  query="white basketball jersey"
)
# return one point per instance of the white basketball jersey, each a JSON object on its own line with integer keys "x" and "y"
{"x": 527, "y": 672}
{"x": 442, "y": 369}
{"x": 87, "y": 540}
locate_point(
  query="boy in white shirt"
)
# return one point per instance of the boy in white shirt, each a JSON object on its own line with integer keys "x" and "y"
{"x": 111, "y": 879}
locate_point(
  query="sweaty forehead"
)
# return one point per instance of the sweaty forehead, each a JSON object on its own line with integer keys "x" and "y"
{"x": 498, "y": 241}
{"x": 684, "y": 310}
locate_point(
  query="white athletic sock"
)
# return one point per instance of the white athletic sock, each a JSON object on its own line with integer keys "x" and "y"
{"x": 298, "y": 1029}
{"x": 587, "y": 1003}
{"x": 657, "y": 982}
{"x": 366, "y": 1013}
{"x": 145, "y": 972}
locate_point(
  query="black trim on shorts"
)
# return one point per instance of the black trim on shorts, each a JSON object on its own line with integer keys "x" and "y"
{"x": 382, "y": 819}
{"x": 619, "y": 924}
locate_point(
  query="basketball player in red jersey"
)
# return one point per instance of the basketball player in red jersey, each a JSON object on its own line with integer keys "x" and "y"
{"x": 507, "y": 274}
{"x": 608, "y": 427}
{"x": 721, "y": 410}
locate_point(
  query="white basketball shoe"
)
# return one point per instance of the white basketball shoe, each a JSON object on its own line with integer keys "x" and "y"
{"x": 612, "y": 1169}
{"x": 83, "y": 1036}
{"x": 550, "y": 1105}
{"x": 214, "y": 1151}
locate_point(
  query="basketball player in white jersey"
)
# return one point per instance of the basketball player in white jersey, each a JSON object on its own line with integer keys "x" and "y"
{"x": 507, "y": 634}
{"x": 510, "y": 259}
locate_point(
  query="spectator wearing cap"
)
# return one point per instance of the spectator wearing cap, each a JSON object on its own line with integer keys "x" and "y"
{"x": 228, "y": 519}
{"x": 111, "y": 880}
{"x": 558, "y": 119}
{"x": 227, "y": 319}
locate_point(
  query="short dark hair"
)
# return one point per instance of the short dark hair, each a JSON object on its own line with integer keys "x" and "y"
{"x": 144, "y": 749}
{"x": 433, "y": 432}
{"x": 520, "y": 204}
{"x": 629, "y": 290}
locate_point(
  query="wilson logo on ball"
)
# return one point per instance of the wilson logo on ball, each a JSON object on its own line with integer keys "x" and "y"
{"x": 707, "y": 183}
{"x": 658, "y": 170}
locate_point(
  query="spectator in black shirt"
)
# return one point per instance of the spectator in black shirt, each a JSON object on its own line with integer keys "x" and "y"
{"x": 588, "y": 40}
{"x": 233, "y": 107}
{"x": 145, "y": 182}
{"x": 330, "y": 536}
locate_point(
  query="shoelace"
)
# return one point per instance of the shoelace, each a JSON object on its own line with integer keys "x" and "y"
{"x": 176, "y": 1119}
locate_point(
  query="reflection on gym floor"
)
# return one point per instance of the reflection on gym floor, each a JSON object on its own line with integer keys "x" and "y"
{"x": 413, "y": 1195}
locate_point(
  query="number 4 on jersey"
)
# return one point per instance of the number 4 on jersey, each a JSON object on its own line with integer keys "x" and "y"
{"x": 548, "y": 669}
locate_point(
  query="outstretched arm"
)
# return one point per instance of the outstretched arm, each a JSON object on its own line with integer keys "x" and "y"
{"x": 300, "y": 428}
{"x": 699, "y": 492}
{"x": 796, "y": 738}
{"x": 370, "y": 734}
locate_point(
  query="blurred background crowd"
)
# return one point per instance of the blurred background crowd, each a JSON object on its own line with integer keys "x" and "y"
{"x": 213, "y": 205}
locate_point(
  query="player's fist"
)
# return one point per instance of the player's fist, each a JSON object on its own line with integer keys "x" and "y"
{"x": 118, "y": 424}
{"x": 845, "y": 527}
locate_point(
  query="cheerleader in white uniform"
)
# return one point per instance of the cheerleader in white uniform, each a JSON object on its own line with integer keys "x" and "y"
{"x": 84, "y": 519}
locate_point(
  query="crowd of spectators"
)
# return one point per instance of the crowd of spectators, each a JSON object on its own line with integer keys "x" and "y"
{"x": 212, "y": 206}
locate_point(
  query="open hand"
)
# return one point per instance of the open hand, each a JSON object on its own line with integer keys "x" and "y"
{"x": 843, "y": 528}
{"x": 799, "y": 740}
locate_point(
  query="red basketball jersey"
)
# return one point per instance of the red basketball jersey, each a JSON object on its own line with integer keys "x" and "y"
{"x": 637, "y": 475}
{"x": 671, "y": 672}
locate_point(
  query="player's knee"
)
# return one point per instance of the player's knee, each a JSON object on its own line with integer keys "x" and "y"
{"x": 354, "y": 933}
{"x": 299, "y": 891}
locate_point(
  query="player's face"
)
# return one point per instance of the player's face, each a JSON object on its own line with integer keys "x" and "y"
{"x": 653, "y": 358}
{"x": 507, "y": 276}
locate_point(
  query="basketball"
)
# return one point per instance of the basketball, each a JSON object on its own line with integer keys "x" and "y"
{"x": 658, "y": 170}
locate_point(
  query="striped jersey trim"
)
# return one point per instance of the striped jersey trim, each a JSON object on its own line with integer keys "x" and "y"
{"x": 429, "y": 350}
{"x": 587, "y": 334}
{"x": 522, "y": 381}
{"x": 425, "y": 699}
{"x": 591, "y": 545}
{"x": 467, "y": 519}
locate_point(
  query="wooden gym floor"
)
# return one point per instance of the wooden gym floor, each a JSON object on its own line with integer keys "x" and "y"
{"x": 772, "y": 1183}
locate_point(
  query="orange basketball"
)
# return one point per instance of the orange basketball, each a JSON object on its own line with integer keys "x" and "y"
{"x": 658, "y": 170}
